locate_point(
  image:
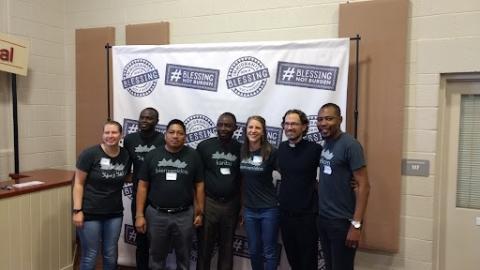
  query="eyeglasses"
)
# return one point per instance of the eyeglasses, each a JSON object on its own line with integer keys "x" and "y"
{"x": 291, "y": 124}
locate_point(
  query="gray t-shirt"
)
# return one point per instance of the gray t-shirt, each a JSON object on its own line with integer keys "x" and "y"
{"x": 339, "y": 159}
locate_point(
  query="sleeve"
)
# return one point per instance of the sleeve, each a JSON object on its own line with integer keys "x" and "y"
{"x": 126, "y": 141}
{"x": 86, "y": 160}
{"x": 143, "y": 172}
{"x": 129, "y": 162}
{"x": 199, "y": 172}
{"x": 201, "y": 150}
{"x": 355, "y": 157}
{"x": 317, "y": 154}
{"x": 273, "y": 159}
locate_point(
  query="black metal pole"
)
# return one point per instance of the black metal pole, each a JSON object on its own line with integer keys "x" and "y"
{"x": 107, "y": 49}
{"x": 15, "y": 124}
{"x": 357, "y": 67}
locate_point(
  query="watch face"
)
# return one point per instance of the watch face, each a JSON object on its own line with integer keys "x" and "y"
{"x": 356, "y": 224}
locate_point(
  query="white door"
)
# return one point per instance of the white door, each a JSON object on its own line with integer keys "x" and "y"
{"x": 459, "y": 243}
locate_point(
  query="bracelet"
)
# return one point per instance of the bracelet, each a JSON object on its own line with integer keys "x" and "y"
{"x": 137, "y": 216}
{"x": 76, "y": 211}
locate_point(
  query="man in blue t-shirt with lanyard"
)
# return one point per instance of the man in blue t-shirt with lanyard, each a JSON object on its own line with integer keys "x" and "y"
{"x": 341, "y": 208}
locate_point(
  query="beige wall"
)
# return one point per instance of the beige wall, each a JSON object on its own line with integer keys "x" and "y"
{"x": 44, "y": 98}
{"x": 443, "y": 37}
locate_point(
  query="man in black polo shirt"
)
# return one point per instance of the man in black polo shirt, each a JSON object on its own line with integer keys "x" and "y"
{"x": 221, "y": 158}
{"x": 138, "y": 145}
{"x": 298, "y": 161}
{"x": 173, "y": 177}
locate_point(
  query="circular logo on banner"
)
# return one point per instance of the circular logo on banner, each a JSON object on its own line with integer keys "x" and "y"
{"x": 247, "y": 76}
{"x": 139, "y": 77}
{"x": 199, "y": 128}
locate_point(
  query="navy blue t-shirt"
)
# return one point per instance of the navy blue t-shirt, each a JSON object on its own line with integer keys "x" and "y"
{"x": 258, "y": 188}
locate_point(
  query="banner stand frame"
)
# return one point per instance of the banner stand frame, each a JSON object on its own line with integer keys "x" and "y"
{"x": 357, "y": 39}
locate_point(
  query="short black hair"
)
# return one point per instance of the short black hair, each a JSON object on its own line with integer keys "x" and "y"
{"x": 177, "y": 122}
{"x": 334, "y": 106}
{"x": 151, "y": 109}
{"x": 229, "y": 114}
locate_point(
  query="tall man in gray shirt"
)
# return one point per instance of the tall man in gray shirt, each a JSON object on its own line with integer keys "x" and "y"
{"x": 341, "y": 208}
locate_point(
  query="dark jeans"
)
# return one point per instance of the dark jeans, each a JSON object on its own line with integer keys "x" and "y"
{"x": 165, "y": 230}
{"x": 299, "y": 235}
{"x": 262, "y": 225}
{"x": 141, "y": 240}
{"x": 333, "y": 233}
{"x": 219, "y": 225}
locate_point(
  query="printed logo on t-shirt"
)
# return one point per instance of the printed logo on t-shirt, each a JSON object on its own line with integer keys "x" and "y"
{"x": 112, "y": 170}
{"x": 165, "y": 166}
{"x": 222, "y": 159}
{"x": 142, "y": 149}
{"x": 252, "y": 164}
{"x": 326, "y": 157}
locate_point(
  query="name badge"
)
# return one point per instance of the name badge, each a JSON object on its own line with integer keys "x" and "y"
{"x": 225, "y": 171}
{"x": 171, "y": 176}
{"x": 105, "y": 161}
{"x": 327, "y": 170}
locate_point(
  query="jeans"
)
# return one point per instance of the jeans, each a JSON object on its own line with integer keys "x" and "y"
{"x": 332, "y": 234}
{"x": 262, "y": 233}
{"x": 91, "y": 234}
{"x": 300, "y": 239}
{"x": 169, "y": 230}
{"x": 219, "y": 224}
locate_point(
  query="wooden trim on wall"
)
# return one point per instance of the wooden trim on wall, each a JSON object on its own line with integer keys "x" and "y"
{"x": 382, "y": 26}
{"x": 91, "y": 84}
{"x": 148, "y": 34}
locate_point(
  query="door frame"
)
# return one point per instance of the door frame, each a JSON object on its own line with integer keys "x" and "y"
{"x": 448, "y": 83}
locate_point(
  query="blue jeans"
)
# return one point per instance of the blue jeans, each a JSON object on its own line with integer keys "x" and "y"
{"x": 262, "y": 233}
{"x": 91, "y": 234}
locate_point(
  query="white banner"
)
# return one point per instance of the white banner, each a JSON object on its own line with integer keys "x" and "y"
{"x": 197, "y": 82}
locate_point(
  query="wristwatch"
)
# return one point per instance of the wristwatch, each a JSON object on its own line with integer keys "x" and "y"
{"x": 356, "y": 224}
{"x": 76, "y": 211}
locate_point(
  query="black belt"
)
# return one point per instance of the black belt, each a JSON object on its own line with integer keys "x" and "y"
{"x": 170, "y": 210}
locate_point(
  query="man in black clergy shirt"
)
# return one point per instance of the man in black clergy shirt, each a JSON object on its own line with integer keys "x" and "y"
{"x": 172, "y": 180}
{"x": 298, "y": 160}
{"x": 139, "y": 144}
{"x": 221, "y": 158}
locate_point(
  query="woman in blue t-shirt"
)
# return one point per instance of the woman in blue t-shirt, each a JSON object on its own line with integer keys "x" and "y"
{"x": 97, "y": 197}
{"x": 261, "y": 213}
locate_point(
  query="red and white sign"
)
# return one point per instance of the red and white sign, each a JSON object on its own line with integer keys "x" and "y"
{"x": 13, "y": 54}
